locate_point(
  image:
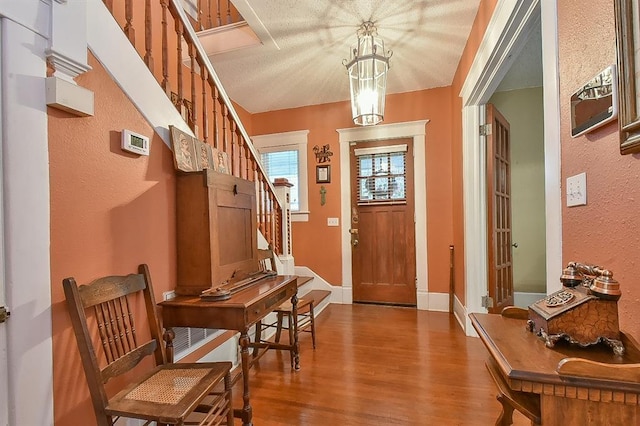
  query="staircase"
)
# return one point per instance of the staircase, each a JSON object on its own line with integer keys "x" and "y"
{"x": 177, "y": 61}
{"x": 171, "y": 80}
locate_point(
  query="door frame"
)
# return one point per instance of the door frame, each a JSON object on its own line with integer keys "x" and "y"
{"x": 417, "y": 131}
{"x": 506, "y": 34}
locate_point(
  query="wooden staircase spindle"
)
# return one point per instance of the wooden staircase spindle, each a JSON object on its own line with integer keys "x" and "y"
{"x": 128, "y": 28}
{"x": 179, "y": 103}
{"x": 165, "y": 49}
{"x": 193, "y": 114}
{"x": 215, "y": 117}
{"x": 148, "y": 32}
{"x": 205, "y": 115}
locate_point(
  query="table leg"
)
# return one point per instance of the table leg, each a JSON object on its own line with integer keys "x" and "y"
{"x": 295, "y": 355}
{"x": 168, "y": 336}
{"x": 506, "y": 415}
{"x": 244, "y": 354}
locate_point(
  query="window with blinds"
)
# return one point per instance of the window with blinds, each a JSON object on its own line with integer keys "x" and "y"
{"x": 381, "y": 174}
{"x": 284, "y": 164}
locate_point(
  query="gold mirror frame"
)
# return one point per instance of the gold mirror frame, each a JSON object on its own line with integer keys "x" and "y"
{"x": 627, "y": 34}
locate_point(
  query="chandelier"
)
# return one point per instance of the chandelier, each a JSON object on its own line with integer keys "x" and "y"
{"x": 367, "y": 70}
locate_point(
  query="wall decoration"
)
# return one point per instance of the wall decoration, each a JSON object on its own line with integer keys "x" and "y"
{"x": 323, "y": 174}
{"x": 628, "y": 42}
{"x": 184, "y": 154}
{"x": 205, "y": 156}
{"x": 221, "y": 161}
{"x": 323, "y": 155}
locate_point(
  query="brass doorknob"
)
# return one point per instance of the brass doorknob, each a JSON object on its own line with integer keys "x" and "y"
{"x": 354, "y": 242}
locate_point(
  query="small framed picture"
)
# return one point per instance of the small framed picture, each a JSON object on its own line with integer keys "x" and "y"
{"x": 184, "y": 150}
{"x": 205, "y": 156}
{"x": 323, "y": 174}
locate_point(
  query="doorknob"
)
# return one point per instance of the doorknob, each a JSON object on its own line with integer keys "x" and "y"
{"x": 354, "y": 242}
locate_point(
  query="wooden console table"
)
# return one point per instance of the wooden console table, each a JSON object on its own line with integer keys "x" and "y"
{"x": 240, "y": 313}
{"x": 575, "y": 386}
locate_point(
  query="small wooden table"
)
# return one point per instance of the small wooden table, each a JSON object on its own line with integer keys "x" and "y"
{"x": 573, "y": 385}
{"x": 240, "y": 313}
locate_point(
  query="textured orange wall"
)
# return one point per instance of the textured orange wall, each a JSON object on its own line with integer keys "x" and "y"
{"x": 602, "y": 232}
{"x": 110, "y": 211}
{"x": 485, "y": 11}
{"x": 317, "y": 246}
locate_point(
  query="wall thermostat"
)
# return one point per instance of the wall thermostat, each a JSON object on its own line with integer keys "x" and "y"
{"x": 134, "y": 142}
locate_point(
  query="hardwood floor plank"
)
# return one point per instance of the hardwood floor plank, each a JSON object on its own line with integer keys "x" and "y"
{"x": 377, "y": 365}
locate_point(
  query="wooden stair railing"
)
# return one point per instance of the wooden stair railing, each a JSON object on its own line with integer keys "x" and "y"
{"x": 214, "y": 14}
{"x": 191, "y": 83}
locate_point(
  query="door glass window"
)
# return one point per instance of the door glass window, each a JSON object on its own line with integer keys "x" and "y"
{"x": 381, "y": 177}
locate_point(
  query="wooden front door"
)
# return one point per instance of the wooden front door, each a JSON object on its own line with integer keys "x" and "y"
{"x": 382, "y": 222}
{"x": 500, "y": 266}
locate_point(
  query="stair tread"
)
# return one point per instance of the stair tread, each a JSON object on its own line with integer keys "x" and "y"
{"x": 302, "y": 280}
{"x": 315, "y": 296}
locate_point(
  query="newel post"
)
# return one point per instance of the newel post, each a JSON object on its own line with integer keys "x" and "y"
{"x": 283, "y": 192}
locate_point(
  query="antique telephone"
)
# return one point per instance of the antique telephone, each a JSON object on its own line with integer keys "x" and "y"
{"x": 584, "y": 312}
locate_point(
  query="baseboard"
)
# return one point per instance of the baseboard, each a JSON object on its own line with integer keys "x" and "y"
{"x": 523, "y": 300}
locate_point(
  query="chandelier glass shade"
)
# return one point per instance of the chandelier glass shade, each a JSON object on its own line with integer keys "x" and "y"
{"x": 367, "y": 67}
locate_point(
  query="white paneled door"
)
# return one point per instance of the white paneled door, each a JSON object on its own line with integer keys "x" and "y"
{"x": 4, "y": 381}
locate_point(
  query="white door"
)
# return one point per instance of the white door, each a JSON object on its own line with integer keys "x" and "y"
{"x": 4, "y": 381}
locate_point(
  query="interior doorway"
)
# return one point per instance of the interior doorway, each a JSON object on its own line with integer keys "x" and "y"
{"x": 507, "y": 33}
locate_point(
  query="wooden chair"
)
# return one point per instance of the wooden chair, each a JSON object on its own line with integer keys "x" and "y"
{"x": 103, "y": 314}
{"x": 306, "y": 318}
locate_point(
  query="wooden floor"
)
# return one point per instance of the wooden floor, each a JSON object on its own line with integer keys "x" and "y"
{"x": 377, "y": 365}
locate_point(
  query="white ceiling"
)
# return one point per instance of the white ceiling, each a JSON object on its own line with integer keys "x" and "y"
{"x": 304, "y": 42}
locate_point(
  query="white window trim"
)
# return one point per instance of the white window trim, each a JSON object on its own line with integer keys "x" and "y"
{"x": 287, "y": 141}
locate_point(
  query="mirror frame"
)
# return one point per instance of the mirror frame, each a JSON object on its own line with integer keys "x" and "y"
{"x": 628, "y": 117}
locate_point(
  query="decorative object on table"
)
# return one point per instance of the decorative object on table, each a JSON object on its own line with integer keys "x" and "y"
{"x": 323, "y": 174}
{"x": 584, "y": 312}
{"x": 323, "y": 195}
{"x": 184, "y": 150}
{"x": 323, "y": 155}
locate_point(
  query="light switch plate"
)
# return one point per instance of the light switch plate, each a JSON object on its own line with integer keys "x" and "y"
{"x": 333, "y": 221}
{"x": 577, "y": 190}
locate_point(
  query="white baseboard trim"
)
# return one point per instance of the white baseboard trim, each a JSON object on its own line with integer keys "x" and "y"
{"x": 523, "y": 300}
{"x": 459, "y": 312}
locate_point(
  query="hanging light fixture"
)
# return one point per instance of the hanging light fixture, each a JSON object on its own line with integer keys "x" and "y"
{"x": 367, "y": 70}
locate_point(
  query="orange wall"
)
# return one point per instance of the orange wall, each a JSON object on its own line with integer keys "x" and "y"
{"x": 110, "y": 211}
{"x": 485, "y": 11}
{"x": 319, "y": 247}
{"x": 602, "y": 232}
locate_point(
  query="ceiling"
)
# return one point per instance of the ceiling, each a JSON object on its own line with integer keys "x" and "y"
{"x": 303, "y": 44}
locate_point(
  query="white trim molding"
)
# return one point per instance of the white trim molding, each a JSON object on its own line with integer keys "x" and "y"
{"x": 507, "y": 32}
{"x": 411, "y": 129}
